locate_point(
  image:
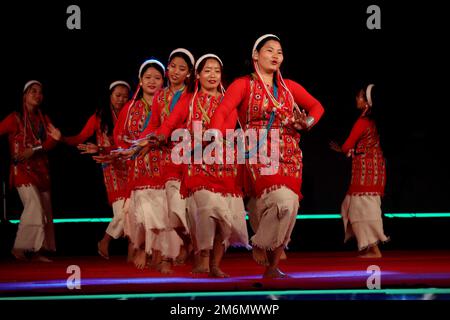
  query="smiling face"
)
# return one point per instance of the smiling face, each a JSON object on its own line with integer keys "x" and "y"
{"x": 177, "y": 71}
{"x": 151, "y": 81}
{"x": 269, "y": 57}
{"x": 33, "y": 96}
{"x": 210, "y": 75}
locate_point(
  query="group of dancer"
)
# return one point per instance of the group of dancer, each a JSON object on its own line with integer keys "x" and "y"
{"x": 170, "y": 211}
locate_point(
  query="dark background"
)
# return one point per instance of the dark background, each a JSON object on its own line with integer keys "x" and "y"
{"x": 327, "y": 47}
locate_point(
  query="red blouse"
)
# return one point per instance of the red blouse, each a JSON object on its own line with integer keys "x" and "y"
{"x": 220, "y": 178}
{"x": 161, "y": 110}
{"x": 143, "y": 171}
{"x": 35, "y": 170}
{"x": 248, "y": 96}
{"x": 368, "y": 163}
{"x": 114, "y": 174}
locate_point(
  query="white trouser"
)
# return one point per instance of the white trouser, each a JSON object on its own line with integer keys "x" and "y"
{"x": 115, "y": 227}
{"x": 35, "y": 229}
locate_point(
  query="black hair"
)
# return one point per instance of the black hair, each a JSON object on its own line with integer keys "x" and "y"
{"x": 21, "y": 104}
{"x": 377, "y": 113}
{"x": 202, "y": 64}
{"x": 154, "y": 65}
{"x": 104, "y": 113}
{"x": 263, "y": 42}
{"x": 190, "y": 81}
{"x": 147, "y": 66}
{"x": 249, "y": 62}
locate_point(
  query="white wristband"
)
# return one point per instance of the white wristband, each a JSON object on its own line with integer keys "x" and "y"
{"x": 309, "y": 121}
{"x": 37, "y": 148}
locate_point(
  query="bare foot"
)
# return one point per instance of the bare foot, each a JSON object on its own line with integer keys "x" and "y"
{"x": 182, "y": 256}
{"x": 156, "y": 260}
{"x": 40, "y": 258}
{"x": 217, "y": 273}
{"x": 19, "y": 254}
{"x": 274, "y": 273}
{"x": 260, "y": 256}
{"x": 370, "y": 255}
{"x": 201, "y": 264}
{"x": 103, "y": 249}
{"x": 140, "y": 259}
{"x": 372, "y": 252}
{"x": 165, "y": 267}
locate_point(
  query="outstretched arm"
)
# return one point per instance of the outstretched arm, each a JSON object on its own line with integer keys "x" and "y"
{"x": 86, "y": 133}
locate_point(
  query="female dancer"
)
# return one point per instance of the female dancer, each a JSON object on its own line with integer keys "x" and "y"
{"x": 179, "y": 76}
{"x": 264, "y": 100}
{"x": 30, "y": 135}
{"x": 361, "y": 208}
{"x": 115, "y": 173}
{"x": 219, "y": 217}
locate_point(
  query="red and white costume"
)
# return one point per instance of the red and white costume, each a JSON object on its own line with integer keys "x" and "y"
{"x": 148, "y": 203}
{"x": 31, "y": 178}
{"x": 164, "y": 103}
{"x": 213, "y": 187}
{"x": 361, "y": 209}
{"x": 277, "y": 195}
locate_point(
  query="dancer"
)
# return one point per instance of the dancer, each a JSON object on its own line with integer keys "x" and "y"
{"x": 361, "y": 208}
{"x": 31, "y": 135}
{"x": 115, "y": 173}
{"x": 264, "y": 100}
{"x": 219, "y": 217}
{"x": 179, "y": 76}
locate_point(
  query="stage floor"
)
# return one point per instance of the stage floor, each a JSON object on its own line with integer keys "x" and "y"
{"x": 325, "y": 273}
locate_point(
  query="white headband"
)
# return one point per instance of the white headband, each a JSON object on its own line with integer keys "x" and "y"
{"x": 186, "y": 52}
{"x": 29, "y": 83}
{"x": 149, "y": 62}
{"x": 369, "y": 94}
{"x": 258, "y": 41}
{"x": 206, "y": 56}
{"x": 119, "y": 82}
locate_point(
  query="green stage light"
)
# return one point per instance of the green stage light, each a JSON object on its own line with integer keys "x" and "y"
{"x": 212, "y": 295}
{"x": 299, "y": 217}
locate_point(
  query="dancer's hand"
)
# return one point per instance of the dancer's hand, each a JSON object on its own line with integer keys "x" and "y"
{"x": 151, "y": 139}
{"x": 26, "y": 154}
{"x": 126, "y": 154}
{"x": 54, "y": 132}
{"x": 143, "y": 151}
{"x": 350, "y": 153}
{"x": 108, "y": 158}
{"x": 88, "y": 148}
{"x": 300, "y": 122}
{"x": 335, "y": 147}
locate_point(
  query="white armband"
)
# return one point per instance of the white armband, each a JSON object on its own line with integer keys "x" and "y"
{"x": 37, "y": 148}
{"x": 310, "y": 121}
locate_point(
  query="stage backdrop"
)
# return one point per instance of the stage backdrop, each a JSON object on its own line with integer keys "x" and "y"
{"x": 328, "y": 48}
